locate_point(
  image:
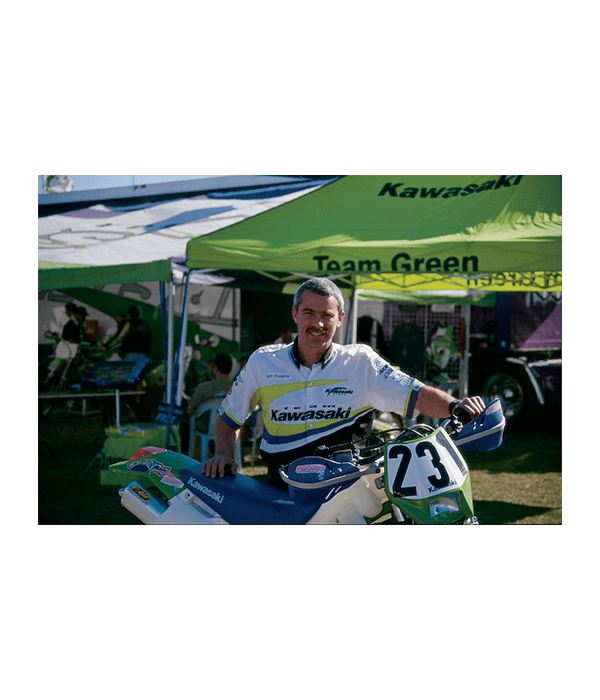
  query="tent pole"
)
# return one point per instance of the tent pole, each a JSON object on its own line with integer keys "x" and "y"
{"x": 118, "y": 408}
{"x": 351, "y": 322}
{"x": 237, "y": 316}
{"x": 348, "y": 321}
{"x": 354, "y": 319}
{"x": 183, "y": 340}
{"x": 170, "y": 344}
{"x": 464, "y": 361}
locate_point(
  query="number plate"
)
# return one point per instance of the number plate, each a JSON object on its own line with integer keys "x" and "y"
{"x": 425, "y": 467}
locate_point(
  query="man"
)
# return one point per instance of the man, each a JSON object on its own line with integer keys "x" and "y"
{"x": 74, "y": 330}
{"x": 112, "y": 341}
{"x": 316, "y": 392}
{"x": 133, "y": 336}
{"x": 221, "y": 366}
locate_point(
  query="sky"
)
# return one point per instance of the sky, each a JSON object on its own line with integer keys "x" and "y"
{"x": 93, "y": 182}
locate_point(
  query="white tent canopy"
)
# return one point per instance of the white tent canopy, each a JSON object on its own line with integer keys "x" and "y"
{"x": 140, "y": 233}
{"x": 132, "y": 233}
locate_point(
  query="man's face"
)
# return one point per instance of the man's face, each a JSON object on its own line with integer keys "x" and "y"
{"x": 318, "y": 318}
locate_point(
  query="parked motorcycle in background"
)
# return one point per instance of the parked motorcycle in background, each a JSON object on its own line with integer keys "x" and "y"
{"x": 407, "y": 476}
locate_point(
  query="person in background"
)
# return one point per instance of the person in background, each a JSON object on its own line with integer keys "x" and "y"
{"x": 112, "y": 343}
{"x": 285, "y": 337}
{"x": 81, "y": 314}
{"x": 134, "y": 336}
{"x": 74, "y": 330}
{"x": 221, "y": 365}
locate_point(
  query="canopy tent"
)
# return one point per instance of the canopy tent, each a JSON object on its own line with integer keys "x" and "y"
{"x": 139, "y": 233}
{"x": 378, "y": 235}
{"x": 483, "y": 233}
{"x": 387, "y": 237}
{"x": 132, "y": 234}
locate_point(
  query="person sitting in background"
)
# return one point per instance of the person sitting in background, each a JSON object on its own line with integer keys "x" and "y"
{"x": 113, "y": 340}
{"x": 221, "y": 365}
{"x": 134, "y": 336}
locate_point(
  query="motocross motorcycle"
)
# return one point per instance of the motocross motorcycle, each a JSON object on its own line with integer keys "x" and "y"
{"x": 412, "y": 476}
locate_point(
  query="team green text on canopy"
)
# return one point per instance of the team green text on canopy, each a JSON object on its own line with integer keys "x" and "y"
{"x": 454, "y": 232}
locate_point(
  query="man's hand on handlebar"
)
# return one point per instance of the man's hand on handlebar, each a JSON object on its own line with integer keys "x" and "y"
{"x": 473, "y": 405}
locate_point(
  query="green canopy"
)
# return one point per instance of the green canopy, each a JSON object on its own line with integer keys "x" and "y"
{"x": 52, "y": 275}
{"x": 454, "y": 232}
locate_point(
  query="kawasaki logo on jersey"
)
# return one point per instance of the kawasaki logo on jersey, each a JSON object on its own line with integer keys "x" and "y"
{"x": 339, "y": 391}
{"x": 321, "y": 414}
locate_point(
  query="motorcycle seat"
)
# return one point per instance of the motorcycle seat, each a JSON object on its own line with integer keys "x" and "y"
{"x": 241, "y": 500}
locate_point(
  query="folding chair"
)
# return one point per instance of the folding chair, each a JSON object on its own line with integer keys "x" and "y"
{"x": 211, "y": 405}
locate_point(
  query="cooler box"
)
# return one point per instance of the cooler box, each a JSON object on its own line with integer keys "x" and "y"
{"x": 125, "y": 374}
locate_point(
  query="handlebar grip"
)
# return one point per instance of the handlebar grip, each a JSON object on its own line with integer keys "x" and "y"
{"x": 462, "y": 415}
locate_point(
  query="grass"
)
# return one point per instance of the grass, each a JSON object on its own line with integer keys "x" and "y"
{"x": 519, "y": 483}
{"x": 67, "y": 493}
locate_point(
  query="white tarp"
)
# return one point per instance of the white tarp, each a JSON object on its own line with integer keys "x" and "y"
{"x": 129, "y": 227}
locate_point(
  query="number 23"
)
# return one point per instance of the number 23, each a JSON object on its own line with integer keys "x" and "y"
{"x": 404, "y": 453}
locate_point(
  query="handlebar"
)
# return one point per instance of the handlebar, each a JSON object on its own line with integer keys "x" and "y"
{"x": 370, "y": 448}
{"x": 487, "y": 434}
{"x": 462, "y": 415}
{"x": 333, "y": 481}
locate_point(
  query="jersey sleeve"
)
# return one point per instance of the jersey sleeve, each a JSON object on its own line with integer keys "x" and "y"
{"x": 241, "y": 399}
{"x": 389, "y": 389}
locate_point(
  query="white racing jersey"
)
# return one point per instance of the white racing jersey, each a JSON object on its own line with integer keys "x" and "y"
{"x": 301, "y": 405}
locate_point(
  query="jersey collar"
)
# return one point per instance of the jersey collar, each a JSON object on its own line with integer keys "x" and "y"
{"x": 295, "y": 354}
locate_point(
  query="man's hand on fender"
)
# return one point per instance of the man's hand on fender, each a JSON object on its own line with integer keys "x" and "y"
{"x": 218, "y": 466}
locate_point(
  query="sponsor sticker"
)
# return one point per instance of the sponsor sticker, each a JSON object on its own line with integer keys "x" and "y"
{"x": 140, "y": 493}
{"x": 496, "y": 406}
{"x": 310, "y": 468}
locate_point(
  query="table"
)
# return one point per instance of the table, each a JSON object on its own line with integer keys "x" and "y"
{"x": 97, "y": 395}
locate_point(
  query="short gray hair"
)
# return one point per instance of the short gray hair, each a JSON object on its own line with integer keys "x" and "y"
{"x": 321, "y": 286}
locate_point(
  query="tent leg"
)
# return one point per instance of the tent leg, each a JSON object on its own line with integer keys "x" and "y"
{"x": 170, "y": 345}
{"x": 354, "y": 318}
{"x": 182, "y": 342}
{"x": 463, "y": 383}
